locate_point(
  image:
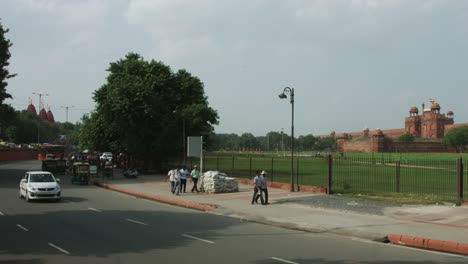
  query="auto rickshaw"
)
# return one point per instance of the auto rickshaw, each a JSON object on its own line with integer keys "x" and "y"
{"x": 80, "y": 173}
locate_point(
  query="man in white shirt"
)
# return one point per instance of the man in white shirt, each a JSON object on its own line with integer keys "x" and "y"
{"x": 174, "y": 178}
{"x": 184, "y": 173}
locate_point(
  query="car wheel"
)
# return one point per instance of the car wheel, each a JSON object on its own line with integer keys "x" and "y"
{"x": 27, "y": 197}
{"x": 58, "y": 200}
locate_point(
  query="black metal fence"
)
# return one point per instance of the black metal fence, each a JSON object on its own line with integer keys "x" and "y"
{"x": 442, "y": 178}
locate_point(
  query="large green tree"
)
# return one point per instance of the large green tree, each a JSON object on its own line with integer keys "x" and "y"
{"x": 6, "y": 111}
{"x": 457, "y": 138}
{"x": 5, "y": 55}
{"x": 144, "y": 109}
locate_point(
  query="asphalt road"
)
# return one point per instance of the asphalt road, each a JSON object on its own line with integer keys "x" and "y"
{"x": 93, "y": 225}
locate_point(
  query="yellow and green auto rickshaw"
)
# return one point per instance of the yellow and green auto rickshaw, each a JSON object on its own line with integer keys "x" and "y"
{"x": 80, "y": 173}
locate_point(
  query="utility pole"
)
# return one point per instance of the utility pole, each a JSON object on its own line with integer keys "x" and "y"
{"x": 39, "y": 112}
{"x": 66, "y": 109}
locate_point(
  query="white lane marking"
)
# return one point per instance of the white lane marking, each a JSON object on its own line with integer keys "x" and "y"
{"x": 136, "y": 222}
{"x": 196, "y": 238}
{"x": 94, "y": 209}
{"x": 59, "y": 248}
{"x": 22, "y": 227}
{"x": 283, "y": 260}
{"x": 2, "y": 214}
{"x": 68, "y": 201}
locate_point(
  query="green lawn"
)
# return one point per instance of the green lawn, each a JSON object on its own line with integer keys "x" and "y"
{"x": 419, "y": 173}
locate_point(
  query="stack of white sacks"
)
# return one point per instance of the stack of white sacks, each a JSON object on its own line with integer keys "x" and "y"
{"x": 218, "y": 182}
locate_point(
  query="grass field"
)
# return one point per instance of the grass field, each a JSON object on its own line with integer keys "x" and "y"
{"x": 413, "y": 174}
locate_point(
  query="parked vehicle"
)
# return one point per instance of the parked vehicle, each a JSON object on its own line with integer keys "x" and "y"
{"x": 130, "y": 173}
{"x": 106, "y": 156}
{"x": 38, "y": 185}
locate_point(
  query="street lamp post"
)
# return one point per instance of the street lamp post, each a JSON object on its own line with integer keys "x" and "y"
{"x": 39, "y": 111}
{"x": 284, "y": 96}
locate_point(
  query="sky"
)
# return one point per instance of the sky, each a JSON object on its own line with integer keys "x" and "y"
{"x": 353, "y": 64}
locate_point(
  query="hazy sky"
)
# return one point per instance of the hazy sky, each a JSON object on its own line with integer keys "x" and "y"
{"x": 353, "y": 64}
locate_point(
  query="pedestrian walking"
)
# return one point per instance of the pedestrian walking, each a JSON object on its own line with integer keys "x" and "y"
{"x": 194, "y": 175}
{"x": 264, "y": 188}
{"x": 172, "y": 178}
{"x": 184, "y": 173}
{"x": 257, "y": 187}
{"x": 176, "y": 189}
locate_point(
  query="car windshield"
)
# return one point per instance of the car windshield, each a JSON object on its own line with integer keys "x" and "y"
{"x": 41, "y": 178}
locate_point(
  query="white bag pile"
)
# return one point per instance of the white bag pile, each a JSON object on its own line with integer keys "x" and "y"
{"x": 218, "y": 182}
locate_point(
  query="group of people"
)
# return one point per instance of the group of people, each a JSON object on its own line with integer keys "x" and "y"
{"x": 178, "y": 178}
{"x": 260, "y": 188}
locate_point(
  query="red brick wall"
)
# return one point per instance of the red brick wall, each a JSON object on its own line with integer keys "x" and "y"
{"x": 418, "y": 147}
{"x": 18, "y": 154}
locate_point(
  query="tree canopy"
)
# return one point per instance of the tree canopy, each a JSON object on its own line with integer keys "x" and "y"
{"x": 5, "y": 55}
{"x": 144, "y": 109}
{"x": 457, "y": 138}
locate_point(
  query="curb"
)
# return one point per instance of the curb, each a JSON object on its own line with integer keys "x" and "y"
{"x": 162, "y": 199}
{"x": 430, "y": 244}
{"x": 285, "y": 186}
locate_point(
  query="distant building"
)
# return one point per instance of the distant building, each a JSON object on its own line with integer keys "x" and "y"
{"x": 43, "y": 115}
{"x": 430, "y": 123}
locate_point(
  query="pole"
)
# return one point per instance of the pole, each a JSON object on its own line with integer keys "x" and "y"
{"x": 292, "y": 139}
{"x": 183, "y": 140}
{"x": 39, "y": 112}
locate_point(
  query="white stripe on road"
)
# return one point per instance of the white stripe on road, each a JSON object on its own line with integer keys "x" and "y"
{"x": 22, "y": 227}
{"x": 136, "y": 222}
{"x": 59, "y": 248}
{"x": 93, "y": 209}
{"x": 284, "y": 261}
{"x": 196, "y": 238}
{"x": 1, "y": 213}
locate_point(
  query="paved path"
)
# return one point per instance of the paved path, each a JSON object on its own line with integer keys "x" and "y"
{"x": 443, "y": 228}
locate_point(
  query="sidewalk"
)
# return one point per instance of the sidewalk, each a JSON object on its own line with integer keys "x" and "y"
{"x": 442, "y": 228}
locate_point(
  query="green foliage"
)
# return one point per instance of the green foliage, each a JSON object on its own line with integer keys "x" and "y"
{"x": 5, "y": 55}
{"x": 457, "y": 138}
{"x": 407, "y": 138}
{"x": 144, "y": 109}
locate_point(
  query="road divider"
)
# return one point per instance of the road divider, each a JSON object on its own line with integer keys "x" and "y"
{"x": 431, "y": 244}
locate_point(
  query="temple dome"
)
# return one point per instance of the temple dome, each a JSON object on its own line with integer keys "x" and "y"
{"x": 43, "y": 115}
{"x": 50, "y": 117}
{"x": 31, "y": 109}
{"x": 414, "y": 110}
{"x": 435, "y": 106}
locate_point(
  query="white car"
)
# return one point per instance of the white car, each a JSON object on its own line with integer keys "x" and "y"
{"x": 39, "y": 185}
{"x": 106, "y": 156}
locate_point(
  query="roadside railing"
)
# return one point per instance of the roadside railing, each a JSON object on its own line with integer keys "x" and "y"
{"x": 443, "y": 178}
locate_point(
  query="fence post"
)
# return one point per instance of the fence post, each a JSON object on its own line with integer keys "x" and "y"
{"x": 329, "y": 185}
{"x": 397, "y": 181}
{"x": 297, "y": 175}
{"x": 272, "y": 168}
{"x": 232, "y": 166}
{"x": 459, "y": 181}
{"x": 250, "y": 168}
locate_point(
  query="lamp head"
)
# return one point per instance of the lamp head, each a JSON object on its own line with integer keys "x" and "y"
{"x": 282, "y": 96}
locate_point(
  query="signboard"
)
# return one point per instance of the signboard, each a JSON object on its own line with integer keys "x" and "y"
{"x": 194, "y": 148}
